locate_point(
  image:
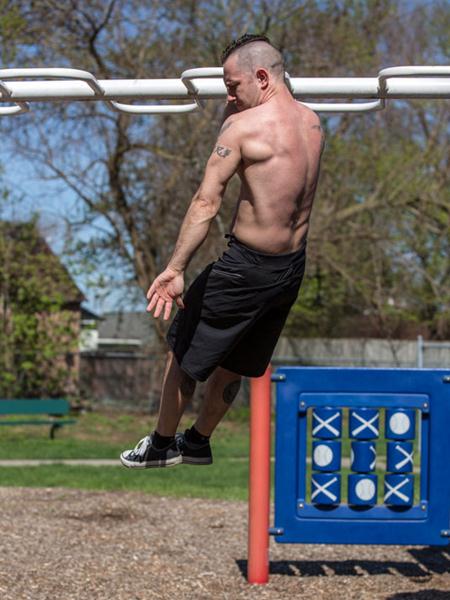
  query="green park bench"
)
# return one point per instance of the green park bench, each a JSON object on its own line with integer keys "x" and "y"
{"x": 55, "y": 409}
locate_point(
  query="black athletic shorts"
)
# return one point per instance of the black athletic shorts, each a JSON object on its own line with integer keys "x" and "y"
{"x": 235, "y": 311}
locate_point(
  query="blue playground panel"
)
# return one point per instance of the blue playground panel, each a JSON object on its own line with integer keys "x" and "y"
{"x": 415, "y": 403}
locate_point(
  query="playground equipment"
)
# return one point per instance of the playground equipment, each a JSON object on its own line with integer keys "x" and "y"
{"x": 198, "y": 85}
{"x": 414, "y": 507}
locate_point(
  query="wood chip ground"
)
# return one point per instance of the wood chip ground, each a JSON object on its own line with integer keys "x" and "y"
{"x": 60, "y": 544}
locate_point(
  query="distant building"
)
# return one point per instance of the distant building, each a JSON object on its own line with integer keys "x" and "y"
{"x": 119, "y": 332}
{"x": 119, "y": 362}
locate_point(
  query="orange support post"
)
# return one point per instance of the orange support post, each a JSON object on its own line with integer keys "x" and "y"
{"x": 259, "y": 479}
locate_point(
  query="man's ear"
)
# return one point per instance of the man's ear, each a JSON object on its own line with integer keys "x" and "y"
{"x": 262, "y": 76}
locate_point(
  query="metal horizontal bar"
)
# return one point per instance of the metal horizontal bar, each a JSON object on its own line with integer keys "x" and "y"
{"x": 206, "y": 83}
{"x": 17, "y": 109}
{"x": 174, "y": 89}
{"x": 346, "y": 107}
{"x": 153, "y": 109}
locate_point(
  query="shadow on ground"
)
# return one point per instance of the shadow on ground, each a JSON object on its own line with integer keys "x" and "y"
{"x": 425, "y": 563}
{"x": 423, "y": 595}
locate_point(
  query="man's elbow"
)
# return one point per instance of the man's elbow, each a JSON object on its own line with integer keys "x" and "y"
{"x": 206, "y": 204}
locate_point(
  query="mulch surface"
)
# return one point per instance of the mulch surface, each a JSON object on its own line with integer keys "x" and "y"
{"x": 62, "y": 544}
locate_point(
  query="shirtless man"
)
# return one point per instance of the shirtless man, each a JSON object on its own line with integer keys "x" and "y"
{"x": 231, "y": 317}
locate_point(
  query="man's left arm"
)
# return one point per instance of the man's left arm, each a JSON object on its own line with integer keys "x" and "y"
{"x": 204, "y": 206}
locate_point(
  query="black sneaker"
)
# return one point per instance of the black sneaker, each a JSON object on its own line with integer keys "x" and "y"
{"x": 146, "y": 456}
{"x": 193, "y": 454}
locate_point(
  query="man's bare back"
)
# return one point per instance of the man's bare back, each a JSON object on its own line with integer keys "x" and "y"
{"x": 281, "y": 143}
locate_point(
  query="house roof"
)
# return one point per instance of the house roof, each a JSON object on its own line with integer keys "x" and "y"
{"x": 28, "y": 242}
{"x": 88, "y": 315}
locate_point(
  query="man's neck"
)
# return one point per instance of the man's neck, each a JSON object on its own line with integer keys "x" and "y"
{"x": 277, "y": 91}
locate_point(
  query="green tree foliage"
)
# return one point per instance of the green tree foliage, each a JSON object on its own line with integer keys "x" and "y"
{"x": 12, "y": 25}
{"x": 37, "y": 332}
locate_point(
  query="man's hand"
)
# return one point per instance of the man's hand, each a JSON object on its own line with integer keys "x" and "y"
{"x": 166, "y": 289}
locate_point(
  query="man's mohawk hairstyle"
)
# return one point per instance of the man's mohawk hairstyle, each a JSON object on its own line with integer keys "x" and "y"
{"x": 247, "y": 38}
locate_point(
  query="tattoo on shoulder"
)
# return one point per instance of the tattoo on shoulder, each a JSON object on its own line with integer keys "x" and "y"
{"x": 222, "y": 151}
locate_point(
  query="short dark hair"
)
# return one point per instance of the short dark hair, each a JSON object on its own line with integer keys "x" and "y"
{"x": 247, "y": 38}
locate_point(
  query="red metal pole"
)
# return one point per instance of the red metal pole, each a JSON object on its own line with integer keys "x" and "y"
{"x": 259, "y": 479}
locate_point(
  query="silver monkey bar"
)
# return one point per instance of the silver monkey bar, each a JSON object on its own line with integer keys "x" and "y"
{"x": 19, "y": 87}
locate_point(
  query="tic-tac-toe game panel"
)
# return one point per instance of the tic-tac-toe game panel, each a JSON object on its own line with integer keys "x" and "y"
{"x": 362, "y": 456}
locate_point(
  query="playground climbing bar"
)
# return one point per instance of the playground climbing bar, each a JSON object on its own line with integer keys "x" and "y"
{"x": 22, "y": 86}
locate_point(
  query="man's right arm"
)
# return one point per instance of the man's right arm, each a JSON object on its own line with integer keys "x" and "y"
{"x": 205, "y": 204}
{"x": 221, "y": 166}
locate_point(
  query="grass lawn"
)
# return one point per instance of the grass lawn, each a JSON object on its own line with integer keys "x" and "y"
{"x": 105, "y": 434}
